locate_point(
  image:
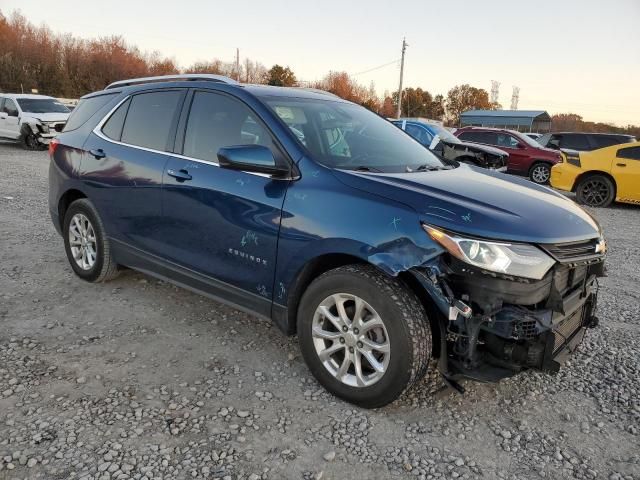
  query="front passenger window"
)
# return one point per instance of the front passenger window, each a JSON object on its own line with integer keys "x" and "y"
{"x": 10, "y": 107}
{"x": 217, "y": 121}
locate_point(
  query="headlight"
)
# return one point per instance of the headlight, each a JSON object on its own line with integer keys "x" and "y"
{"x": 518, "y": 259}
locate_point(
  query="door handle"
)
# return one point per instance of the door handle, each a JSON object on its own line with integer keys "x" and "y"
{"x": 98, "y": 154}
{"x": 621, "y": 164}
{"x": 180, "y": 175}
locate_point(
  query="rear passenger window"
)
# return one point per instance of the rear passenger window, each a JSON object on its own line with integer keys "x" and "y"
{"x": 217, "y": 121}
{"x": 150, "y": 118}
{"x": 574, "y": 142}
{"x": 479, "y": 137}
{"x": 632, "y": 153}
{"x": 85, "y": 110}
{"x": 113, "y": 127}
{"x": 602, "y": 141}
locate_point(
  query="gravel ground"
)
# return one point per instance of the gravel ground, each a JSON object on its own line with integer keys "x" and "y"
{"x": 139, "y": 379}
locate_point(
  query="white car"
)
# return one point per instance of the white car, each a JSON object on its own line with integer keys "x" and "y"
{"x": 32, "y": 120}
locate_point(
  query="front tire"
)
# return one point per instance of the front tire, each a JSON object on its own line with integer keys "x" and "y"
{"x": 540, "y": 173}
{"x": 364, "y": 336}
{"x": 86, "y": 243}
{"x": 595, "y": 191}
{"x": 29, "y": 140}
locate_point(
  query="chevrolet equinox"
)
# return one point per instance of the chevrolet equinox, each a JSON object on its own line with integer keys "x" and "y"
{"x": 311, "y": 211}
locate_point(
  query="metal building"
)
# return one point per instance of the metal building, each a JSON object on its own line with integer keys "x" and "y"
{"x": 521, "y": 120}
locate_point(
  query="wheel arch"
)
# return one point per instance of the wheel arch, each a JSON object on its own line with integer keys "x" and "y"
{"x": 326, "y": 262}
{"x": 66, "y": 199}
{"x": 591, "y": 173}
{"x": 538, "y": 161}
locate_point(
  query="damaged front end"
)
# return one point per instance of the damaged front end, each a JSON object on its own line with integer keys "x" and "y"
{"x": 38, "y": 133}
{"x": 494, "y": 325}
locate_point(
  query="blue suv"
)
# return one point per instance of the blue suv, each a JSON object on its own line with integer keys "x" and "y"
{"x": 317, "y": 214}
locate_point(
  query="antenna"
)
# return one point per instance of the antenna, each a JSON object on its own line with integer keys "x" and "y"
{"x": 495, "y": 91}
{"x": 515, "y": 97}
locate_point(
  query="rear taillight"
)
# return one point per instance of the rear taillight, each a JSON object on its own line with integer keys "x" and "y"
{"x": 53, "y": 144}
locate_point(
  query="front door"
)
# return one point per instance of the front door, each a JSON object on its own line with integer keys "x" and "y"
{"x": 9, "y": 119}
{"x": 223, "y": 224}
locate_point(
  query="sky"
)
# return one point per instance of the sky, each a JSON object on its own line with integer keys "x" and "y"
{"x": 578, "y": 56}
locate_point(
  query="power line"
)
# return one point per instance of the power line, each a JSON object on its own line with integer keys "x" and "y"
{"x": 376, "y": 68}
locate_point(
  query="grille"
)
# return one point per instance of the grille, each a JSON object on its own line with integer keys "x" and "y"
{"x": 565, "y": 330}
{"x": 525, "y": 330}
{"x": 566, "y": 278}
{"x": 573, "y": 251}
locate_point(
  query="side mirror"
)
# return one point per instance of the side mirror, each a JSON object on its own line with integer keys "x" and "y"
{"x": 251, "y": 158}
{"x": 521, "y": 145}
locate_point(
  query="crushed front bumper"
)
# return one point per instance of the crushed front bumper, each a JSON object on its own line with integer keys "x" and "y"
{"x": 511, "y": 325}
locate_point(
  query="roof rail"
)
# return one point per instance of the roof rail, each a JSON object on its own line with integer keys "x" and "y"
{"x": 319, "y": 90}
{"x": 171, "y": 78}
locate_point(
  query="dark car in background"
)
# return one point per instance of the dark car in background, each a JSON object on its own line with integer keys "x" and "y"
{"x": 526, "y": 156}
{"x": 314, "y": 212}
{"x": 442, "y": 142}
{"x": 583, "y": 142}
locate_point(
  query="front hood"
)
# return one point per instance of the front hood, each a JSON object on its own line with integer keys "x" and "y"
{"x": 474, "y": 147}
{"x": 483, "y": 203}
{"x": 48, "y": 117}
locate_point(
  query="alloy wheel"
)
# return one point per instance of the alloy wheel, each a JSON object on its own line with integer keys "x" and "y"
{"x": 351, "y": 340}
{"x": 540, "y": 174}
{"x": 595, "y": 192}
{"x": 82, "y": 240}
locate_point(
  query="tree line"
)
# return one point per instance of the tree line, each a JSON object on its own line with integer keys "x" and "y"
{"x": 65, "y": 66}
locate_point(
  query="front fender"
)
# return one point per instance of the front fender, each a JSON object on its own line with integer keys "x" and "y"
{"x": 322, "y": 216}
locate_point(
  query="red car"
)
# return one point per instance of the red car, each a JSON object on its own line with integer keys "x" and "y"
{"x": 526, "y": 156}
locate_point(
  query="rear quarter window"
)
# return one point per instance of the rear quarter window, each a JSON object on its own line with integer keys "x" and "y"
{"x": 86, "y": 108}
{"x": 113, "y": 127}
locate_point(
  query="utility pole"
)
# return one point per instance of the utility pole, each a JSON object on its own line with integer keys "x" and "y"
{"x": 404, "y": 47}
{"x": 238, "y": 64}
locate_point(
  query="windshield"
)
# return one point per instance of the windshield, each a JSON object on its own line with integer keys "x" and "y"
{"x": 527, "y": 139}
{"x": 344, "y": 135}
{"x": 41, "y": 105}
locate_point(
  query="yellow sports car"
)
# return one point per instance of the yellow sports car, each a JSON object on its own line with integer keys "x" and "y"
{"x": 600, "y": 176}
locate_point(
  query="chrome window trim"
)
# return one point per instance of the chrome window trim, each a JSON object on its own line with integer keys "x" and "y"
{"x": 98, "y": 131}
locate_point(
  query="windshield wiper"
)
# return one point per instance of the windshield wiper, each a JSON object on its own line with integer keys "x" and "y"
{"x": 425, "y": 167}
{"x": 364, "y": 168}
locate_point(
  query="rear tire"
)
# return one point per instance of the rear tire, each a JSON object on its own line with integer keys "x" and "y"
{"x": 86, "y": 243}
{"x": 540, "y": 173}
{"x": 389, "y": 351}
{"x": 595, "y": 191}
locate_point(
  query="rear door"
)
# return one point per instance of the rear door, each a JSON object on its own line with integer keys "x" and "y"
{"x": 222, "y": 225}
{"x": 626, "y": 171}
{"x": 123, "y": 162}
